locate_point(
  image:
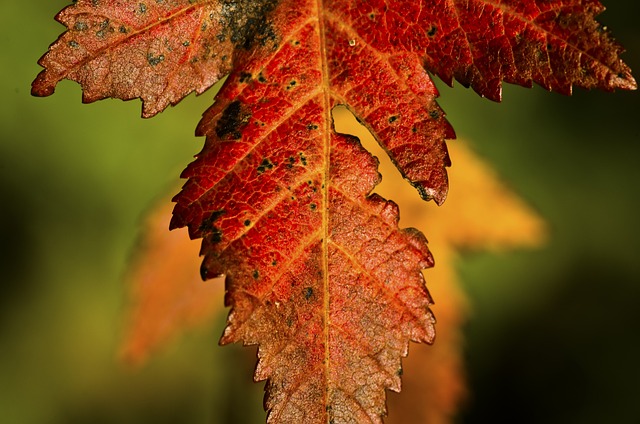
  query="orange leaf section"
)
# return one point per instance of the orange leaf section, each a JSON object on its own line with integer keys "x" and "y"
{"x": 167, "y": 293}
{"x": 555, "y": 43}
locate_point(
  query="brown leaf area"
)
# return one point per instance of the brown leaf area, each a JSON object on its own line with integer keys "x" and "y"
{"x": 169, "y": 297}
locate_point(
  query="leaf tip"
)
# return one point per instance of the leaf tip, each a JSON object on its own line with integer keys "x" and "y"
{"x": 624, "y": 81}
{"x": 39, "y": 87}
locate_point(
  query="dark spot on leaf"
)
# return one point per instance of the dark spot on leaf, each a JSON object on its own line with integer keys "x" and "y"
{"x": 247, "y": 222}
{"x": 80, "y": 26}
{"x": 154, "y": 60}
{"x": 312, "y": 127}
{"x": 261, "y": 78}
{"x": 291, "y": 161}
{"x": 308, "y": 292}
{"x": 414, "y": 130}
{"x": 256, "y": 274}
{"x": 233, "y": 118}
{"x": 313, "y": 206}
{"x": 245, "y": 77}
{"x": 393, "y": 119}
{"x": 246, "y": 22}
{"x": 186, "y": 43}
{"x": 274, "y": 262}
{"x": 74, "y": 44}
{"x": 303, "y": 159}
{"x": 204, "y": 272}
{"x": 434, "y": 114}
{"x": 122, "y": 29}
{"x": 432, "y": 31}
{"x": 264, "y": 166}
{"x": 399, "y": 372}
{"x": 142, "y": 8}
{"x": 216, "y": 235}
{"x": 207, "y": 227}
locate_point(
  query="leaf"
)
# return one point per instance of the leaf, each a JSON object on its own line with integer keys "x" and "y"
{"x": 433, "y": 376}
{"x": 318, "y": 273}
{"x": 167, "y": 294}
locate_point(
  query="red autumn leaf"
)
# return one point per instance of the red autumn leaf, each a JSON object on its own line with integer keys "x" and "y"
{"x": 169, "y": 298}
{"x": 318, "y": 274}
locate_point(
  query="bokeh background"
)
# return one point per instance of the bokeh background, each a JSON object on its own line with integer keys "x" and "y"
{"x": 554, "y": 335}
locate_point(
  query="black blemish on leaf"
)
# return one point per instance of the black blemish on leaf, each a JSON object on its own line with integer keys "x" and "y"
{"x": 308, "y": 292}
{"x": 245, "y": 77}
{"x": 313, "y": 206}
{"x": 233, "y": 119}
{"x": 393, "y": 119}
{"x": 264, "y": 166}
{"x": 261, "y": 78}
{"x": 207, "y": 227}
{"x": 142, "y": 8}
{"x": 432, "y": 31}
{"x": 414, "y": 130}
{"x": 186, "y": 43}
{"x": 434, "y": 114}
{"x": 247, "y": 23}
{"x": 256, "y": 274}
{"x": 290, "y": 162}
{"x": 303, "y": 159}
{"x": 80, "y": 26}
{"x": 154, "y": 60}
{"x": 74, "y": 44}
{"x": 312, "y": 127}
{"x": 216, "y": 235}
{"x": 204, "y": 272}
{"x": 247, "y": 222}
{"x": 274, "y": 262}
{"x": 122, "y": 29}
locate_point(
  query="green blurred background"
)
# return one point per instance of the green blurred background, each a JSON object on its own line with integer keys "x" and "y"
{"x": 555, "y": 333}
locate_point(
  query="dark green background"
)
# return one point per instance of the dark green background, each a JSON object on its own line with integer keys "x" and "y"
{"x": 554, "y": 335}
